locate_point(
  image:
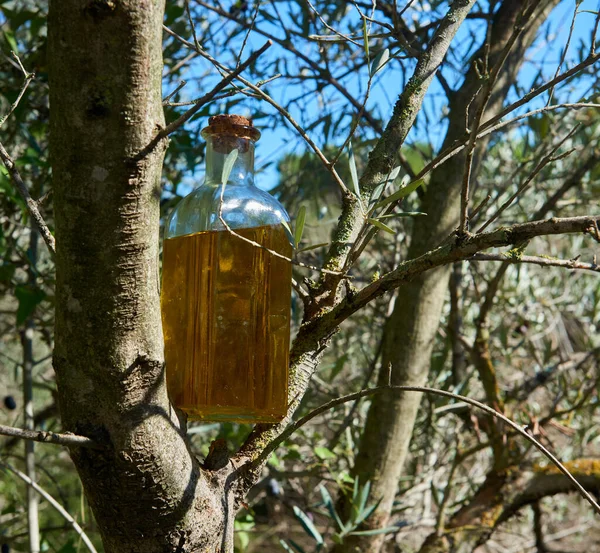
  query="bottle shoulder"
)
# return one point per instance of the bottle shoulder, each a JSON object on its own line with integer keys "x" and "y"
{"x": 239, "y": 206}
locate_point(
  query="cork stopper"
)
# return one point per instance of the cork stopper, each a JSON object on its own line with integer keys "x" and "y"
{"x": 227, "y": 119}
{"x": 231, "y": 125}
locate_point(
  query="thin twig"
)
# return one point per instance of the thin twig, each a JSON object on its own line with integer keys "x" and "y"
{"x": 451, "y": 151}
{"x": 463, "y": 225}
{"x": 28, "y": 78}
{"x": 441, "y": 516}
{"x": 33, "y": 523}
{"x": 320, "y": 72}
{"x": 537, "y": 260}
{"x": 456, "y": 250}
{"x": 264, "y": 248}
{"x": 226, "y": 93}
{"x": 171, "y": 127}
{"x": 177, "y": 89}
{"x": 564, "y": 53}
{"x": 264, "y": 455}
{"x": 250, "y": 28}
{"x": 595, "y": 31}
{"x": 342, "y": 36}
{"x": 549, "y": 158}
{"x": 54, "y": 504}
{"x": 69, "y": 440}
{"x": 273, "y": 103}
{"x": 29, "y": 201}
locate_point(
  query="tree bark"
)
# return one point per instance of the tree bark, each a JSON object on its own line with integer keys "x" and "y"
{"x": 411, "y": 329}
{"x": 148, "y": 493}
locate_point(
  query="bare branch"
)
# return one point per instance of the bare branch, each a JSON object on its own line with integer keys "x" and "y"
{"x": 172, "y": 127}
{"x": 434, "y": 391}
{"x": 487, "y": 125}
{"x": 456, "y": 250}
{"x": 69, "y": 440}
{"x": 488, "y": 89}
{"x": 549, "y": 158}
{"x": 319, "y": 71}
{"x": 54, "y": 504}
{"x": 382, "y": 157}
{"x": 272, "y": 102}
{"x": 29, "y": 201}
{"x": 177, "y": 89}
{"x": 537, "y": 260}
{"x": 28, "y": 78}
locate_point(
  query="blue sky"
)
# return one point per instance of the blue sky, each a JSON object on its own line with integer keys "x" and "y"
{"x": 543, "y": 58}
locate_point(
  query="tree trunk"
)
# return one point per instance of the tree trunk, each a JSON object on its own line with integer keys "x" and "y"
{"x": 410, "y": 331}
{"x": 148, "y": 493}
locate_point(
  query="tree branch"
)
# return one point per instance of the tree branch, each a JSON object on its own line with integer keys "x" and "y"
{"x": 487, "y": 125}
{"x": 381, "y": 160}
{"x": 28, "y": 78}
{"x": 29, "y": 201}
{"x": 456, "y": 250}
{"x": 69, "y": 440}
{"x": 434, "y": 391}
{"x": 262, "y": 94}
{"x": 172, "y": 127}
{"x": 537, "y": 260}
{"x": 54, "y": 504}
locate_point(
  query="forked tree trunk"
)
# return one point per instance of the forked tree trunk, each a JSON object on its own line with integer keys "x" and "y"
{"x": 410, "y": 331}
{"x": 147, "y": 491}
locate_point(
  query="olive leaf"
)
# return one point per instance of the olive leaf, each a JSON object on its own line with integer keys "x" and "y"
{"x": 228, "y": 165}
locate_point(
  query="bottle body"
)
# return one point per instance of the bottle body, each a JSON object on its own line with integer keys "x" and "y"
{"x": 226, "y": 301}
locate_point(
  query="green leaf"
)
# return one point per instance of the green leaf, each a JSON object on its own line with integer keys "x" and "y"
{"x": 380, "y": 60}
{"x": 244, "y": 540}
{"x": 28, "y": 298}
{"x": 323, "y": 453}
{"x": 337, "y": 538}
{"x": 355, "y": 490}
{"x": 403, "y": 214}
{"x": 297, "y": 546}
{"x": 402, "y": 193}
{"x": 364, "y": 496}
{"x": 308, "y": 525}
{"x": 286, "y": 547}
{"x": 299, "y": 228}
{"x": 392, "y": 176}
{"x": 366, "y": 38}
{"x": 374, "y": 532}
{"x": 328, "y": 501}
{"x": 9, "y": 36}
{"x": 313, "y": 247}
{"x": 228, "y": 165}
{"x": 346, "y": 478}
{"x": 380, "y": 225}
{"x": 366, "y": 513}
{"x": 287, "y": 227}
{"x": 353, "y": 171}
{"x": 274, "y": 461}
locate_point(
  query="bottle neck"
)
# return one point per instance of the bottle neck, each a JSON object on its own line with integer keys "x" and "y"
{"x": 218, "y": 148}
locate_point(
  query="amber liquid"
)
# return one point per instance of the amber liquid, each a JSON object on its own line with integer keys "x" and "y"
{"x": 226, "y": 322}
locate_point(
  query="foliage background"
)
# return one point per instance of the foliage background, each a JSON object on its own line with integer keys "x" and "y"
{"x": 542, "y": 317}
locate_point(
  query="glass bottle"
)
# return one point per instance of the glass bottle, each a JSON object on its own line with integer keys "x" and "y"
{"x": 225, "y": 297}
